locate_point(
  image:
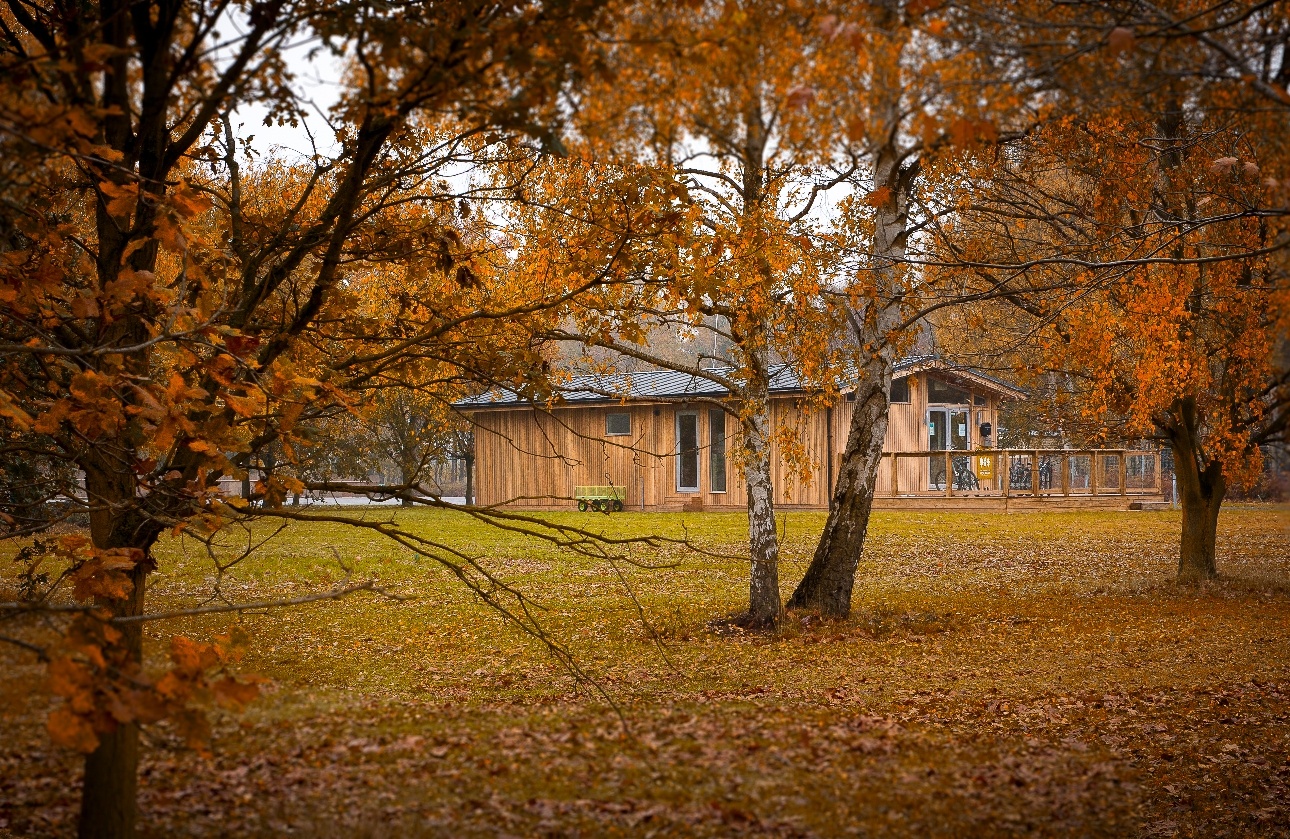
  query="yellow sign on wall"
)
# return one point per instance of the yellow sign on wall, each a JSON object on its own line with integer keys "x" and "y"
{"x": 984, "y": 467}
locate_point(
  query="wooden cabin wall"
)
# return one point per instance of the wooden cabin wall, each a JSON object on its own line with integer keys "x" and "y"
{"x": 536, "y": 458}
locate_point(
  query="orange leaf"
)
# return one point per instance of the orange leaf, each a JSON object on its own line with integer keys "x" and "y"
{"x": 67, "y": 729}
{"x": 231, "y": 693}
{"x": 1121, "y": 40}
{"x": 879, "y": 196}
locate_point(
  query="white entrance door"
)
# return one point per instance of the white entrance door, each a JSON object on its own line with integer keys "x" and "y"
{"x": 947, "y": 429}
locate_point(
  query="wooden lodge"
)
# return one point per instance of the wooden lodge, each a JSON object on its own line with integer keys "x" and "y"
{"x": 664, "y": 444}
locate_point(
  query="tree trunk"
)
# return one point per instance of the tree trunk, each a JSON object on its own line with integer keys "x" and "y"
{"x": 470, "y": 479}
{"x": 764, "y": 605}
{"x": 830, "y": 579}
{"x": 1200, "y": 491}
{"x": 408, "y": 473}
{"x": 109, "y": 786}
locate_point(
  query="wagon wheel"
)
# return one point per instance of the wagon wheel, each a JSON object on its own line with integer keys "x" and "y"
{"x": 595, "y": 505}
{"x": 582, "y": 506}
{"x": 618, "y": 506}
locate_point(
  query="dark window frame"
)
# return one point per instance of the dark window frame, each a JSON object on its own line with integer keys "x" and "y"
{"x": 609, "y": 431}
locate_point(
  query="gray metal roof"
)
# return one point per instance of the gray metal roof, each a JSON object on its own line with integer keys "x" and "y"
{"x": 673, "y": 384}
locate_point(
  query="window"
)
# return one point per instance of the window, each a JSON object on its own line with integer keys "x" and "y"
{"x": 717, "y": 450}
{"x": 945, "y": 393}
{"x": 618, "y": 425}
{"x": 687, "y": 452}
{"x": 980, "y": 399}
{"x": 900, "y": 390}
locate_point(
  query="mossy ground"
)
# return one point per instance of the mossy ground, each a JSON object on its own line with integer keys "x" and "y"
{"x": 1001, "y": 674}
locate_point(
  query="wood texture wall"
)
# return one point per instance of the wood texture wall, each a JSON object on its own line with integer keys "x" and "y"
{"x": 535, "y": 458}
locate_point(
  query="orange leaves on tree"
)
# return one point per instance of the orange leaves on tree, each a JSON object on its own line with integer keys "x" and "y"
{"x": 105, "y": 574}
{"x": 967, "y": 132}
{"x": 879, "y": 196}
{"x": 1121, "y": 40}
{"x": 119, "y": 199}
{"x": 241, "y": 345}
{"x": 71, "y": 730}
{"x": 102, "y": 687}
{"x": 800, "y": 96}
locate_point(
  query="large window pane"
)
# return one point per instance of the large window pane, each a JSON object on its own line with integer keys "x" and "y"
{"x": 944, "y": 393}
{"x": 959, "y": 434}
{"x": 717, "y": 450}
{"x": 687, "y": 452}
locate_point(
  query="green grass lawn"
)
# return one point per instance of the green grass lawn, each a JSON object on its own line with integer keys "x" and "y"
{"x": 1001, "y": 674}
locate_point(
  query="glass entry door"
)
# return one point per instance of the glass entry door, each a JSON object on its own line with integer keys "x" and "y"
{"x": 947, "y": 429}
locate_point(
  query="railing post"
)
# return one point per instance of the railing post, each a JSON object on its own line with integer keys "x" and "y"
{"x": 1066, "y": 473}
{"x": 949, "y": 474}
{"x": 895, "y": 475}
{"x": 1006, "y": 474}
{"x": 1034, "y": 473}
{"x": 1124, "y": 472}
{"x": 1092, "y": 472}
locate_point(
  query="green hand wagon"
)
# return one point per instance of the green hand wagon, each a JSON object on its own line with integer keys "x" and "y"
{"x": 600, "y": 499}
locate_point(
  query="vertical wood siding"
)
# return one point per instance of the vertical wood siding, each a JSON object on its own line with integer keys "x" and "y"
{"x": 535, "y": 458}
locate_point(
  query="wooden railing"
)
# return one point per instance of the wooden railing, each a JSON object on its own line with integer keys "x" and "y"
{"x": 1037, "y": 473}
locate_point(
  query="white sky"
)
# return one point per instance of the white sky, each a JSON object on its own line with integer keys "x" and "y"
{"x": 317, "y": 74}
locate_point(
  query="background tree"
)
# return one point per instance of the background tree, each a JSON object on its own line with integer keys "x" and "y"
{"x": 706, "y": 112}
{"x": 915, "y": 92}
{"x": 1141, "y": 236}
{"x": 167, "y": 315}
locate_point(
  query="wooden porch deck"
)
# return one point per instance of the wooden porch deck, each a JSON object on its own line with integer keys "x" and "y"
{"x": 1020, "y": 479}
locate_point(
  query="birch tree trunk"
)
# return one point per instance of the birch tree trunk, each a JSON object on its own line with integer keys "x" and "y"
{"x": 830, "y": 578}
{"x": 764, "y": 605}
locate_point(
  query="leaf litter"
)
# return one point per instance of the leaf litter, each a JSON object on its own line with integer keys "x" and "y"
{"x": 1008, "y": 675}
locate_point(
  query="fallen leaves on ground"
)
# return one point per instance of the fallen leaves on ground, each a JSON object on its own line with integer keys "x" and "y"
{"x": 1006, "y": 675}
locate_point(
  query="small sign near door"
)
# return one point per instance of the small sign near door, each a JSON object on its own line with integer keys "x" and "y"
{"x": 985, "y": 467}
